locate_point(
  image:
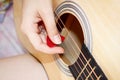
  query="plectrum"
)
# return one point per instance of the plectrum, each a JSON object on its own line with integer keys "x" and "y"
{"x": 51, "y": 44}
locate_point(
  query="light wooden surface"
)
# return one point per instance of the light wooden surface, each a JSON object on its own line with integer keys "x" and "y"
{"x": 103, "y": 16}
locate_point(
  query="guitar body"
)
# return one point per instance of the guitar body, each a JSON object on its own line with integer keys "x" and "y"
{"x": 99, "y": 22}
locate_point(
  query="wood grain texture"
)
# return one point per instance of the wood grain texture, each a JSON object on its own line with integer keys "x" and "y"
{"x": 103, "y": 16}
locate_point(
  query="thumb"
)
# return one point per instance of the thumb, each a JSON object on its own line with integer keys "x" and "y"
{"x": 49, "y": 21}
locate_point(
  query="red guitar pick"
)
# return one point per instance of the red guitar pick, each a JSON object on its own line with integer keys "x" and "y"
{"x": 51, "y": 44}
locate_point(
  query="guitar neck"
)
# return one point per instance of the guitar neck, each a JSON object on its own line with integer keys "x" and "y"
{"x": 86, "y": 67}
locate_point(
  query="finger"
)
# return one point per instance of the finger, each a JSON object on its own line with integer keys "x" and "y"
{"x": 39, "y": 42}
{"x": 40, "y": 46}
{"x": 46, "y": 49}
{"x": 43, "y": 34}
{"x": 48, "y": 19}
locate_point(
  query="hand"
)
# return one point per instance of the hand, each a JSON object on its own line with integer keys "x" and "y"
{"x": 34, "y": 13}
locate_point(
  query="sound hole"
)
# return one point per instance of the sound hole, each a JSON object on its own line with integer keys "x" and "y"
{"x": 69, "y": 26}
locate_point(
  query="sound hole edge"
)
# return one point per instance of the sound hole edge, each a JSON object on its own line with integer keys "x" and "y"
{"x": 81, "y": 18}
{"x": 70, "y": 28}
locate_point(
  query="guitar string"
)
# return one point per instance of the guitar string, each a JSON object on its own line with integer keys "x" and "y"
{"x": 77, "y": 62}
{"x": 80, "y": 59}
{"x": 83, "y": 56}
{"x": 79, "y": 66}
{"x": 77, "y": 55}
{"x": 85, "y": 59}
{"x": 76, "y": 45}
{"x": 83, "y": 69}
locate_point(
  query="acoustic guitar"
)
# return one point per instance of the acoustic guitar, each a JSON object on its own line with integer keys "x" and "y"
{"x": 92, "y": 42}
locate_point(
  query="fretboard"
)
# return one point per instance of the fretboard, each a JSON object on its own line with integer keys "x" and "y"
{"x": 86, "y": 68}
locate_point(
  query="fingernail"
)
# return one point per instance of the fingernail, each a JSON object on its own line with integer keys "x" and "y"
{"x": 61, "y": 51}
{"x": 57, "y": 39}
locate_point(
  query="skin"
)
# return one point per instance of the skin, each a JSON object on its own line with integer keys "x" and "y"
{"x": 34, "y": 12}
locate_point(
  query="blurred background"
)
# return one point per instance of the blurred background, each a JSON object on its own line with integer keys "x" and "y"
{"x": 9, "y": 42}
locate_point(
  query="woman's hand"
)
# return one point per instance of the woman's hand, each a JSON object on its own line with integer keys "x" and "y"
{"x": 34, "y": 13}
